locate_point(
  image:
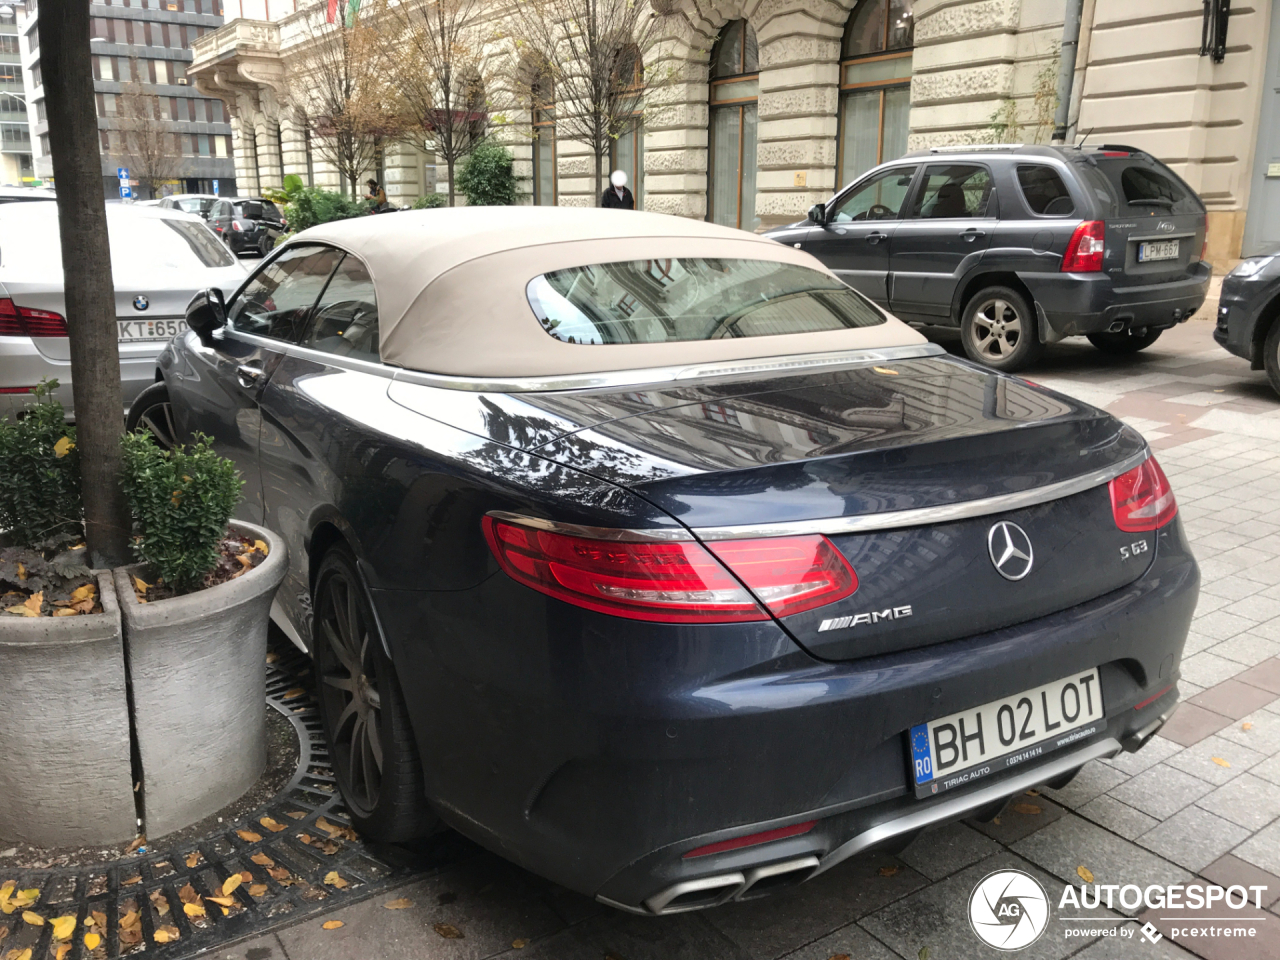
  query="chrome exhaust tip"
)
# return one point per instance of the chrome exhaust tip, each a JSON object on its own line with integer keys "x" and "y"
{"x": 762, "y": 880}
{"x": 1117, "y": 326}
{"x": 696, "y": 894}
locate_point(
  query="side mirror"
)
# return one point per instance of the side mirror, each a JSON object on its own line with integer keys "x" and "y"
{"x": 818, "y": 213}
{"x": 206, "y": 313}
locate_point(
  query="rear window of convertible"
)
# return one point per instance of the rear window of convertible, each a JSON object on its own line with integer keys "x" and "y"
{"x": 682, "y": 299}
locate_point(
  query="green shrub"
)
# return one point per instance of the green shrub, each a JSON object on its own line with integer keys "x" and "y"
{"x": 181, "y": 501}
{"x": 487, "y": 178}
{"x": 40, "y": 503}
{"x": 431, "y": 201}
{"x": 309, "y": 206}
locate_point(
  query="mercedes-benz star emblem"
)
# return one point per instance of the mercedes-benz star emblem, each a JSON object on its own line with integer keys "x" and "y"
{"x": 140, "y": 302}
{"x": 1010, "y": 550}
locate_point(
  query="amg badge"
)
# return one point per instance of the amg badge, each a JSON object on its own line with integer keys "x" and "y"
{"x": 889, "y": 613}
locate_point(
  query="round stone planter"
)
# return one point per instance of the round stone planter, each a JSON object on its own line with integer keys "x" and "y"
{"x": 197, "y": 668}
{"x": 66, "y": 778}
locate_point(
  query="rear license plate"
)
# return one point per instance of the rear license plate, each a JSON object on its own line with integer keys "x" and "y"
{"x": 966, "y": 746}
{"x": 134, "y": 331}
{"x": 1158, "y": 250}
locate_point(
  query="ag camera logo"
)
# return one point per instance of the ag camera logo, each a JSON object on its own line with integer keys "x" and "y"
{"x": 1008, "y": 910}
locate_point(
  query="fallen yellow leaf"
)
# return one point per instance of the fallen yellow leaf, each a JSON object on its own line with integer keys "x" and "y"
{"x": 63, "y": 927}
{"x": 888, "y": 871}
{"x": 520, "y": 944}
{"x": 262, "y": 860}
{"x": 332, "y": 924}
{"x": 448, "y": 931}
{"x": 87, "y": 592}
{"x": 1246, "y": 726}
{"x": 141, "y": 585}
{"x": 257, "y": 889}
{"x": 15, "y": 955}
{"x": 1085, "y": 874}
{"x": 91, "y": 941}
{"x": 259, "y": 546}
{"x": 65, "y": 612}
{"x": 63, "y": 447}
{"x": 62, "y": 951}
{"x": 294, "y": 693}
{"x": 167, "y": 934}
{"x": 271, "y": 825}
{"x": 1220, "y": 762}
{"x": 193, "y": 910}
{"x": 222, "y": 901}
{"x": 33, "y": 918}
{"x": 193, "y": 858}
{"x": 29, "y": 608}
{"x": 22, "y": 572}
{"x": 248, "y": 836}
{"x": 401, "y": 903}
{"x": 230, "y": 884}
{"x": 333, "y": 879}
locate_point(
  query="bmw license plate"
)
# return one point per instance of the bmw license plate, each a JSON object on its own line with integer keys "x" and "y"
{"x": 956, "y": 750}
{"x": 1158, "y": 250}
{"x": 136, "y": 331}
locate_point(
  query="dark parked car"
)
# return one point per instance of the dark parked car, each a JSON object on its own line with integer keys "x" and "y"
{"x": 648, "y": 554}
{"x": 1019, "y": 245}
{"x": 247, "y": 224}
{"x": 198, "y": 203}
{"x": 1247, "y": 312}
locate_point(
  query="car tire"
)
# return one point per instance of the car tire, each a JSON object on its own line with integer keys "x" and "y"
{"x": 1124, "y": 342}
{"x": 1271, "y": 357}
{"x": 265, "y": 246}
{"x": 363, "y": 711}
{"x": 152, "y": 411}
{"x": 998, "y": 329}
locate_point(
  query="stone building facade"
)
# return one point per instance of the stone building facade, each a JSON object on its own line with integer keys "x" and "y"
{"x": 764, "y": 107}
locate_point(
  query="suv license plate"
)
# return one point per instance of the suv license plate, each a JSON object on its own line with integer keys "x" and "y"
{"x": 140, "y": 331}
{"x": 1158, "y": 250}
{"x": 956, "y": 750}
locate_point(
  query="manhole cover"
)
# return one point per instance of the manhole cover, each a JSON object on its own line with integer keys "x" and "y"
{"x": 292, "y": 857}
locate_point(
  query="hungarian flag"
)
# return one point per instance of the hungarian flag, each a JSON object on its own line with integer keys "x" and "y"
{"x": 332, "y": 15}
{"x": 353, "y": 7}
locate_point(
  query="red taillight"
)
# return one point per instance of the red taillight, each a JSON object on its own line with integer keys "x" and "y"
{"x": 1084, "y": 252}
{"x": 235, "y": 225}
{"x": 1204, "y": 247}
{"x": 18, "y": 321}
{"x": 1142, "y": 499}
{"x": 751, "y": 840}
{"x": 789, "y": 574}
{"x": 675, "y": 582}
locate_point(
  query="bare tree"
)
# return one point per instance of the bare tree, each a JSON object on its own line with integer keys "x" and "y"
{"x": 593, "y": 53}
{"x": 433, "y": 53}
{"x": 150, "y": 148}
{"x": 86, "y": 267}
{"x": 339, "y": 93}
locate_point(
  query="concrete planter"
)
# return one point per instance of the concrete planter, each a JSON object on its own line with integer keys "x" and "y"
{"x": 66, "y": 778}
{"x": 199, "y": 689}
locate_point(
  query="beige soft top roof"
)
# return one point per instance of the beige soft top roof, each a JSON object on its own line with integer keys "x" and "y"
{"x": 451, "y": 288}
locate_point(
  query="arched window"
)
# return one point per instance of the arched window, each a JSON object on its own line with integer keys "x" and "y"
{"x": 543, "y": 108}
{"x": 627, "y": 153}
{"x": 875, "y": 85}
{"x": 735, "y": 87}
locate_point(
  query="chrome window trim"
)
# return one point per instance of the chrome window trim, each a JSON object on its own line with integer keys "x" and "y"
{"x": 798, "y": 363}
{"x": 923, "y": 516}
{"x": 653, "y": 535}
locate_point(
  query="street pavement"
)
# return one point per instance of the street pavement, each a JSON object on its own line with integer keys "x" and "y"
{"x": 1201, "y": 802}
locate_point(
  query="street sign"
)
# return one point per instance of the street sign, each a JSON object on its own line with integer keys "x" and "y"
{"x": 126, "y": 192}
{"x": 215, "y": 188}
{"x": 122, "y": 173}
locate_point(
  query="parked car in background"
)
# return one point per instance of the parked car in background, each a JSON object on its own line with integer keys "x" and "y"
{"x": 19, "y": 194}
{"x": 648, "y": 554}
{"x": 159, "y": 258}
{"x": 197, "y": 203}
{"x": 247, "y": 224}
{"x": 1248, "y": 309}
{"x": 1019, "y": 245}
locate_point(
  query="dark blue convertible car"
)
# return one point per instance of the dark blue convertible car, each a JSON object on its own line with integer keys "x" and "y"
{"x": 649, "y": 555}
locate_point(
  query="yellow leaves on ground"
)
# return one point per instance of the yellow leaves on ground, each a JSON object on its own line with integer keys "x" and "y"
{"x": 333, "y": 925}
{"x": 257, "y": 889}
{"x": 193, "y": 858}
{"x": 448, "y": 931}
{"x": 1084, "y": 873}
{"x": 131, "y": 881}
{"x": 130, "y": 927}
{"x": 167, "y": 934}
{"x": 63, "y": 447}
{"x": 231, "y": 883}
{"x": 193, "y": 909}
{"x": 11, "y": 900}
{"x": 262, "y": 860}
{"x": 223, "y": 902}
{"x": 326, "y": 846}
{"x": 296, "y": 814}
{"x": 1030, "y": 809}
{"x": 29, "y": 608}
{"x": 248, "y": 836}
{"x": 1220, "y": 762}
{"x": 260, "y": 546}
{"x": 22, "y": 572}
{"x": 63, "y": 927}
{"x": 271, "y": 825}
{"x": 401, "y": 903}
{"x": 889, "y": 871}
{"x": 91, "y": 941}
{"x": 333, "y": 879}
{"x": 87, "y": 592}
{"x": 336, "y": 832}
{"x": 1246, "y": 726}
{"x": 18, "y": 954}
{"x": 62, "y": 951}
{"x": 33, "y": 918}
{"x": 192, "y": 904}
{"x": 520, "y": 944}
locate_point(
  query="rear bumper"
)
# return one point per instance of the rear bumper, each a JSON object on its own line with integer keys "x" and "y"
{"x": 1241, "y": 304}
{"x": 22, "y": 365}
{"x": 599, "y": 755}
{"x": 1080, "y": 303}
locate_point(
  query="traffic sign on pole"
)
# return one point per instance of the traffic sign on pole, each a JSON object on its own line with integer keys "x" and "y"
{"x": 215, "y": 188}
{"x": 126, "y": 192}
{"x": 122, "y": 173}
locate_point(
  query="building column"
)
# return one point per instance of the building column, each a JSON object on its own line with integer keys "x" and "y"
{"x": 293, "y": 140}
{"x": 675, "y": 118}
{"x": 402, "y": 165}
{"x": 242, "y": 145}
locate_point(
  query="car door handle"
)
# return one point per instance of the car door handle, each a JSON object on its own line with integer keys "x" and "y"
{"x": 248, "y": 375}
{"x": 876, "y": 237}
{"x": 972, "y": 234}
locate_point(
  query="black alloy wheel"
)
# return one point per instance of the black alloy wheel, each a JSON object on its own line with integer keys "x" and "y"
{"x": 998, "y": 329}
{"x": 1124, "y": 342}
{"x": 152, "y": 411}
{"x": 363, "y": 711}
{"x": 1271, "y": 355}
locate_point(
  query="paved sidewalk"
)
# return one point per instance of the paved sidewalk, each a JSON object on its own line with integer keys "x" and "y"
{"x": 1201, "y": 800}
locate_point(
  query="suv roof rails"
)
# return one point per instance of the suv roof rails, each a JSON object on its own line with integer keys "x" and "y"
{"x": 977, "y": 147}
{"x": 1116, "y": 146}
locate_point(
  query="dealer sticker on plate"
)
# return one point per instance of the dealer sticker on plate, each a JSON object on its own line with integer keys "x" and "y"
{"x": 956, "y": 750}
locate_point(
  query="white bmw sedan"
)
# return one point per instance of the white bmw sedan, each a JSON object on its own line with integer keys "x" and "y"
{"x": 159, "y": 258}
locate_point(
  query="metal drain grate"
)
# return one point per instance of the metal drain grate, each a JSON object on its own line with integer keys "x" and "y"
{"x": 138, "y": 906}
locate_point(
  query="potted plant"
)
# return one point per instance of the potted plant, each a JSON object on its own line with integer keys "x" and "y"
{"x": 66, "y": 779}
{"x": 195, "y": 611}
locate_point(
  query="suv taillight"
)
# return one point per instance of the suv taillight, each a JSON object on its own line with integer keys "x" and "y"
{"x": 674, "y": 582}
{"x": 1141, "y": 499}
{"x": 1204, "y": 247}
{"x": 1084, "y": 252}
{"x": 18, "y": 321}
